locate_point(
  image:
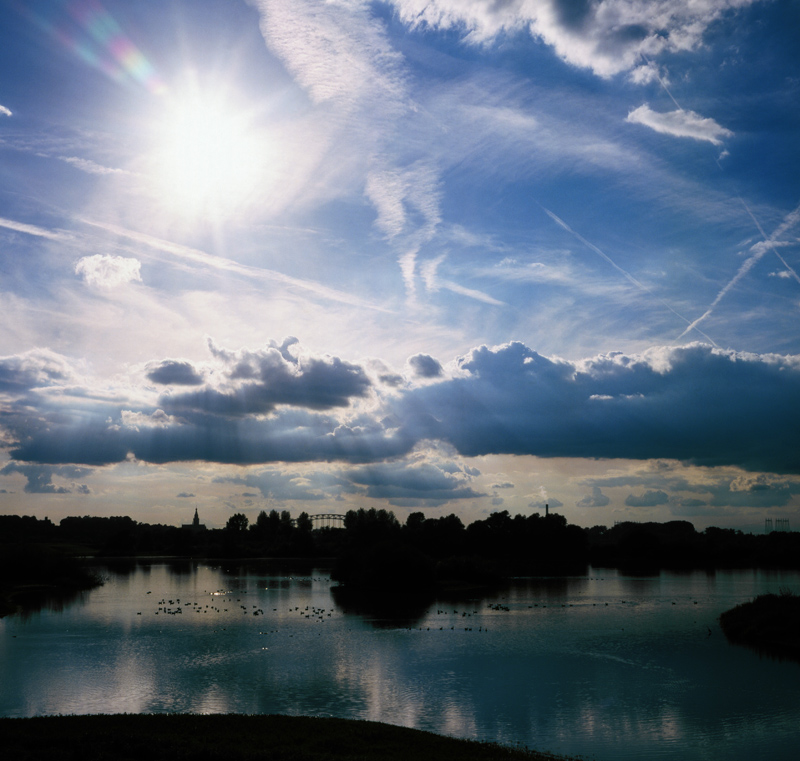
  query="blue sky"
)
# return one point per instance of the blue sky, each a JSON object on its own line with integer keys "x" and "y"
{"x": 454, "y": 256}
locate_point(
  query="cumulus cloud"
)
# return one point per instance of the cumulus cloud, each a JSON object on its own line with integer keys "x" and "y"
{"x": 40, "y": 477}
{"x": 606, "y": 36}
{"x": 695, "y": 404}
{"x": 34, "y": 369}
{"x": 648, "y": 499}
{"x": 716, "y": 489}
{"x": 679, "y": 123}
{"x": 551, "y": 503}
{"x": 174, "y": 372}
{"x": 257, "y": 381}
{"x": 425, "y": 366}
{"x": 106, "y": 272}
{"x": 282, "y": 485}
{"x": 137, "y": 420}
{"x": 5, "y": 111}
{"x": 415, "y": 484}
{"x": 595, "y": 499}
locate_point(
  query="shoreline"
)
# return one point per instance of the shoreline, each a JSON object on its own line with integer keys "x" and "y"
{"x": 239, "y": 737}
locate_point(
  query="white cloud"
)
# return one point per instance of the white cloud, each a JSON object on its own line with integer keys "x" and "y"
{"x": 607, "y": 36}
{"x": 104, "y": 271}
{"x": 139, "y": 420}
{"x": 5, "y": 111}
{"x": 228, "y": 265}
{"x": 90, "y": 167}
{"x": 335, "y": 51}
{"x": 39, "y": 232}
{"x": 680, "y": 123}
{"x": 342, "y": 56}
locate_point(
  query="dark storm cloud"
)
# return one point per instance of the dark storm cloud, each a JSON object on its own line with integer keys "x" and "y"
{"x": 281, "y": 485}
{"x": 709, "y": 489}
{"x": 693, "y": 403}
{"x": 690, "y": 502}
{"x": 425, "y": 366}
{"x": 33, "y": 369}
{"x": 174, "y": 372}
{"x": 270, "y": 377}
{"x": 40, "y": 477}
{"x": 648, "y": 499}
{"x": 422, "y": 484}
{"x": 281, "y": 437}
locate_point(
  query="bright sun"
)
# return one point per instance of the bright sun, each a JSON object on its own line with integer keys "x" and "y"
{"x": 209, "y": 156}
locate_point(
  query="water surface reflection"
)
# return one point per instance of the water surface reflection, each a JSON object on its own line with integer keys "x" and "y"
{"x": 606, "y": 666}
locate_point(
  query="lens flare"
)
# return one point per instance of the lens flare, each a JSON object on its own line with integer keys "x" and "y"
{"x": 95, "y": 37}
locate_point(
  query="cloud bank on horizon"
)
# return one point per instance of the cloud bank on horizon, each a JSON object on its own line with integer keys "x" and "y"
{"x": 534, "y": 252}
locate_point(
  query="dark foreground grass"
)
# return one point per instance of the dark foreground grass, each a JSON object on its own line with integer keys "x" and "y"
{"x": 229, "y": 737}
{"x": 770, "y": 623}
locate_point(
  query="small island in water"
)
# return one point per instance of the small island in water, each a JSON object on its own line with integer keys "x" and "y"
{"x": 770, "y": 623}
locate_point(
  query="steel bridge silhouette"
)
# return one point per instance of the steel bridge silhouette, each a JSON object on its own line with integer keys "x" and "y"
{"x": 327, "y": 520}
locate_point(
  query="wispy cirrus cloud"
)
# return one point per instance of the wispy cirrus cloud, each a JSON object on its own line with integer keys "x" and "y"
{"x": 430, "y": 274}
{"x": 680, "y": 123}
{"x": 607, "y": 37}
{"x": 5, "y": 111}
{"x": 341, "y": 55}
{"x": 91, "y": 167}
{"x": 39, "y": 232}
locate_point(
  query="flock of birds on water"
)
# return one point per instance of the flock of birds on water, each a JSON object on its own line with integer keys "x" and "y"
{"x": 174, "y": 607}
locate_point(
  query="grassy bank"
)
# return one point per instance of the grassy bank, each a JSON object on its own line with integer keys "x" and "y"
{"x": 769, "y": 622}
{"x": 189, "y": 737}
{"x": 30, "y": 574}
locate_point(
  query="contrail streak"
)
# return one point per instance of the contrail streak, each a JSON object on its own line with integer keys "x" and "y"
{"x": 654, "y": 69}
{"x": 791, "y": 219}
{"x": 625, "y": 273}
{"x": 761, "y": 249}
{"x": 40, "y": 232}
{"x": 220, "y": 263}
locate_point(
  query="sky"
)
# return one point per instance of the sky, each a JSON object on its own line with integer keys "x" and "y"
{"x": 448, "y": 256}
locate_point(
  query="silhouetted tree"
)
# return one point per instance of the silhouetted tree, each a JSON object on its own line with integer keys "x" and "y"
{"x": 237, "y": 523}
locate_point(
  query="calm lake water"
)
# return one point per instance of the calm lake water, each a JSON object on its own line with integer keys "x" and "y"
{"x": 606, "y": 666}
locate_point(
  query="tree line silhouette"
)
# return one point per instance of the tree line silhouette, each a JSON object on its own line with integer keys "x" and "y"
{"x": 374, "y": 548}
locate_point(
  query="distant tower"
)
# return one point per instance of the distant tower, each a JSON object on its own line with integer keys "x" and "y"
{"x": 546, "y": 509}
{"x": 195, "y": 526}
{"x": 767, "y": 525}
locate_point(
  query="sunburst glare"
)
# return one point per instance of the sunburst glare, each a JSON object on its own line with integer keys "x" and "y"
{"x": 209, "y": 155}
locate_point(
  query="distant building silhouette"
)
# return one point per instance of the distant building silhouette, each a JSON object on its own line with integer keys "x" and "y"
{"x": 781, "y": 524}
{"x": 195, "y": 525}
